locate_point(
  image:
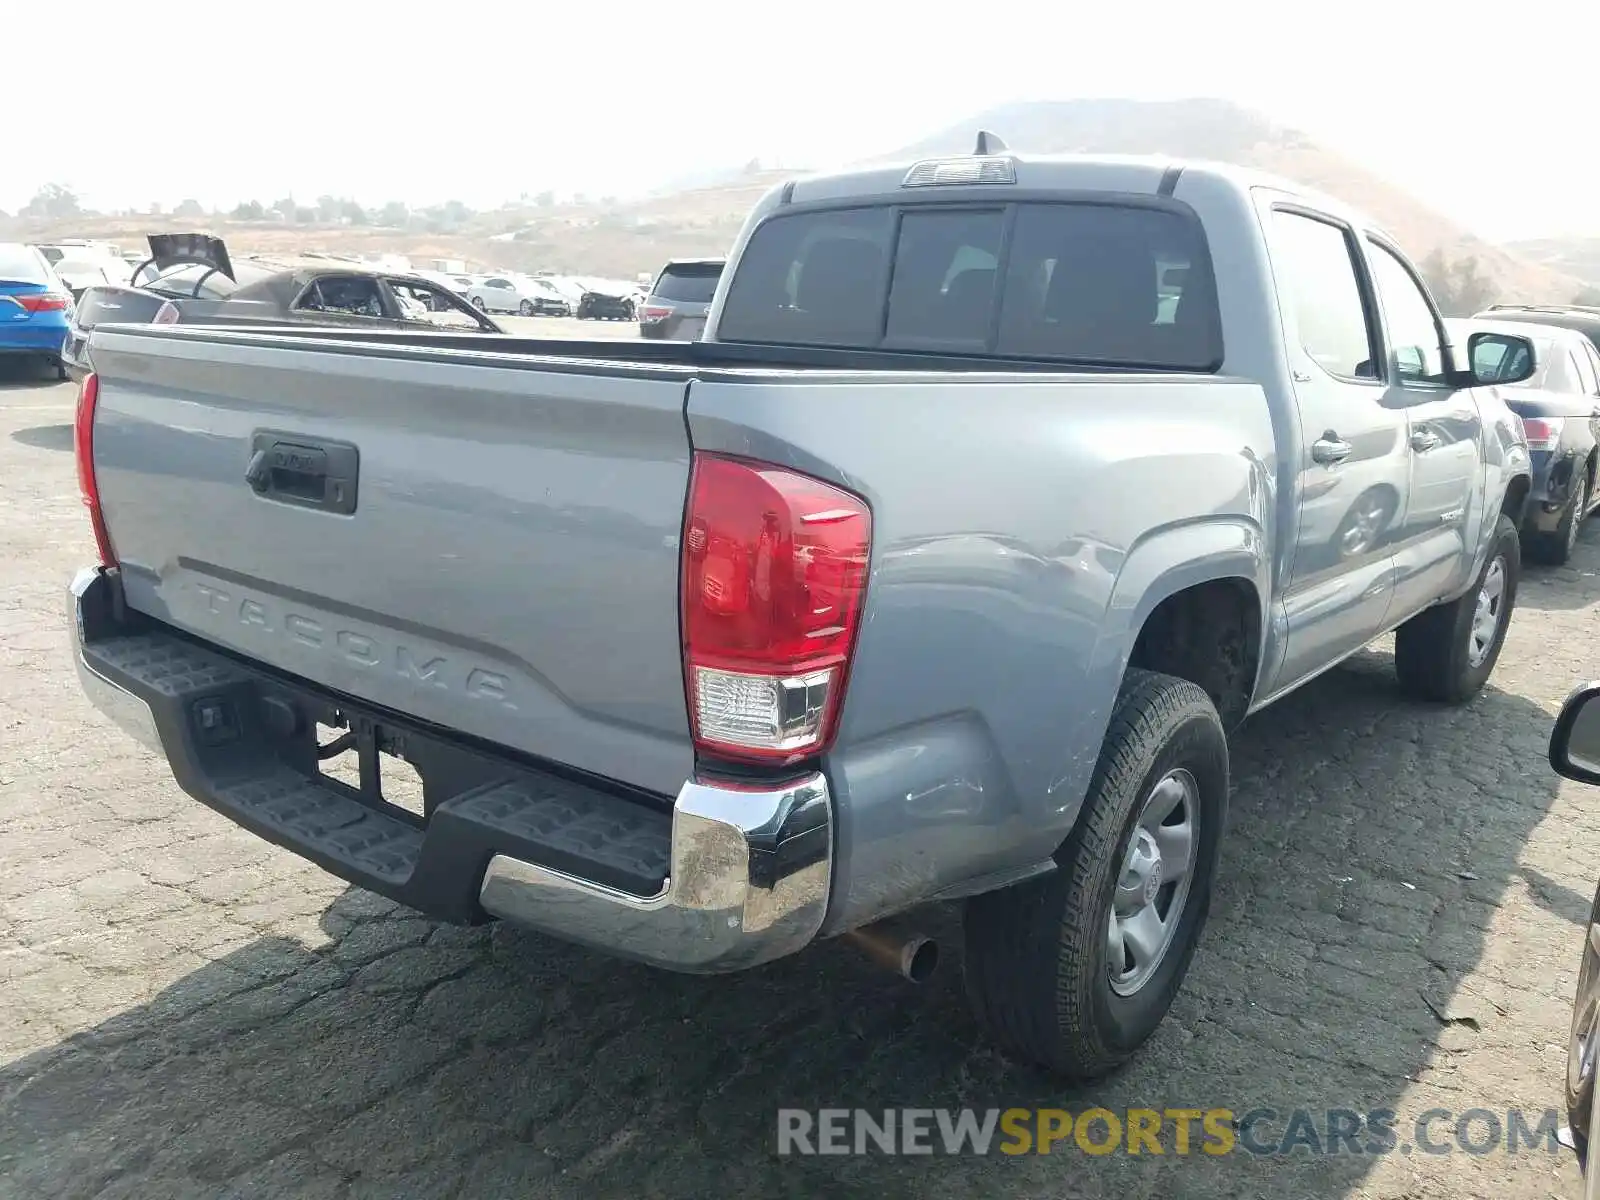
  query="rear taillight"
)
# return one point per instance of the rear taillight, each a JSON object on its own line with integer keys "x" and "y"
{"x": 655, "y": 313}
{"x": 1543, "y": 432}
{"x": 774, "y": 578}
{"x": 38, "y": 302}
{"x": 167, "y": 314}
{"x": 83, "y": 449}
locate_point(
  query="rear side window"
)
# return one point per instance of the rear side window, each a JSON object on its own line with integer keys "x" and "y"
{"x": 688, "y": 283}
{"x": 1079, "y": 282}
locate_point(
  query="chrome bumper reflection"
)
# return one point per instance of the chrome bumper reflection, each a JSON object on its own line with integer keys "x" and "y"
{"x": 712, "y": 915}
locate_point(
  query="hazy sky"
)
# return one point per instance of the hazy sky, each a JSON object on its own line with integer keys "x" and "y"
{"x": 424, "y": 101}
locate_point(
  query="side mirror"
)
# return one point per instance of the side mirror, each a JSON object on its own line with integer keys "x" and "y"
{"x": 1499, "y": 358}
{"x": 1575, "y": 741}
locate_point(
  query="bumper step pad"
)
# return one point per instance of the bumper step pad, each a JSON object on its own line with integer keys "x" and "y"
{"x": 243, "y": 742}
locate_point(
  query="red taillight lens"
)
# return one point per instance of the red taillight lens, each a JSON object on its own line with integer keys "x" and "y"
{"x": 167, "y": 314}
{"x": 654, "y": 313}
{"x": 83, "y": 450}
{"x": 38, "y": 302}
{"x": 774, "y": 577}
{"x": 1543, "y": 432}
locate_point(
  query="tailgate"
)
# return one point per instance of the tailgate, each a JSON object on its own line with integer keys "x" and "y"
{"x": 500, "y": 558}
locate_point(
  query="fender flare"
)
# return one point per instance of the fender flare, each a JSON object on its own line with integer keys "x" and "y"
{"x": 1170, "y": 560}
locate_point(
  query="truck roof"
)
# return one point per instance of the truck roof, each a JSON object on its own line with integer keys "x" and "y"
{"x": 1128, "y": 173}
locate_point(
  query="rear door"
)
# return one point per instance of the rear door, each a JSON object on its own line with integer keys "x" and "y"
{"x": 1353, "y": 471}
{"x": 503, "y": 558}
{"x": 1444, "y": 433}
{"x": 1590, "y": 373}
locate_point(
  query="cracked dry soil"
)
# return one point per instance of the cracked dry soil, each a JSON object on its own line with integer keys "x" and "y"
{"x": 186, "y": 1011}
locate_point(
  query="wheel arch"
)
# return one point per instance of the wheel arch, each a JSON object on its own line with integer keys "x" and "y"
{"x": 1172, "y": 585}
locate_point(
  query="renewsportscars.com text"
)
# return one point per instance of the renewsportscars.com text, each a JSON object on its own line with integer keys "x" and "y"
{"x": 1168, "y": 1131}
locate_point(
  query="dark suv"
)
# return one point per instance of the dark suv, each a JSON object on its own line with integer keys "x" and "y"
{"x": 1583, "y": 318}
{"x": 681, "y": 298}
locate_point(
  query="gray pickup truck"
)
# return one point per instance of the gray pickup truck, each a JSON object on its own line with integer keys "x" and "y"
{"x": 997, "y": 492}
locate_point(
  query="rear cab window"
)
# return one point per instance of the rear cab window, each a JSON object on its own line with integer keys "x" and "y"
{"x": 688, "y": 283}
{"x": 1089, "y": 282}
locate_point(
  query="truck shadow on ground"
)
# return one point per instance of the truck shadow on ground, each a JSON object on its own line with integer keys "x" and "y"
{"x": 1370, "y": 840}
{"x": 44, "y": 437}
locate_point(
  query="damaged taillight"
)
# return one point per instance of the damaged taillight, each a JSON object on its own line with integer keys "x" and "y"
{"x": 774, "y": 578}
{"x": 1543, "y": 433}
{"x": 83, "y": 451}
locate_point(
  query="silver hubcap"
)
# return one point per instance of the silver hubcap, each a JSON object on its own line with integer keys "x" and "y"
{"x": 1153, "y": 883}
{"x": 1486, "y": 619}
{"x": 1580, "y": 498}
{"x": 1366, "y": 522}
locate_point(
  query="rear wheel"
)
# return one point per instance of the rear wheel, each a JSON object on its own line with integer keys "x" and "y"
{"x": 1555, "y": 548}
{"x": 525, "y": 308}
{"x": 1446, "y": 653}
{"x": 478, "y": 303}
{"x": 1074, "y": 971}
{"x": 61, "y": 371}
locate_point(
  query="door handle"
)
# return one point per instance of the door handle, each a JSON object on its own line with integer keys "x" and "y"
{"x": 1423, "y": 440}
{"x": 1330, "y": 448}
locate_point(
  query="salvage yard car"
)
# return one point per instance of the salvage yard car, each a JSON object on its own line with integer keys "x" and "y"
{"x": 998, "y": 491}
{"x": 191, "y": 278}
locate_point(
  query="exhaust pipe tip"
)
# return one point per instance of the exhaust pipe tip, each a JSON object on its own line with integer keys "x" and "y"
{"x": 919, "y": 959}
{"x": 912, "y": 955}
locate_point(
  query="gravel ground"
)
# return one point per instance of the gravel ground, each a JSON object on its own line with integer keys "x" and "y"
{"x": 187, "y": 1011}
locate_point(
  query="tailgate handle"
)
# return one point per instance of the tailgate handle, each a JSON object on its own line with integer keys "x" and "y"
{"x": 310, "y": 473}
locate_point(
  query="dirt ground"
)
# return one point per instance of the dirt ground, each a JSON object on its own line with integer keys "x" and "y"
{"x": 186, "y": 1011}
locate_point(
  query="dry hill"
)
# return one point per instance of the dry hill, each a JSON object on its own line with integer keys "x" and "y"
{"x": 635, "y": 237}
{"x": 1578, "y": 256}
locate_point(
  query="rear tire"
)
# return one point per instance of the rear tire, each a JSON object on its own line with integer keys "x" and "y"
{"x": 1554, "y": 549}
{"x": 479, "y": 304}
{"x": 1040, "y": 970}
{"x": 1447, "y": 653}
{"x": 525, "y": 309}
{"x": 62, "y": 374}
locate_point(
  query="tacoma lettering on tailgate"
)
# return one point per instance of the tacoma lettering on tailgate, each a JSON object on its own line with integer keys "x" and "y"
{"x": 360, "y": 649}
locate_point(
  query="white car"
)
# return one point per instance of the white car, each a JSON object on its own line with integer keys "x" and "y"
{"x": 84, "y": 265}
{"x": 519, "y": 294}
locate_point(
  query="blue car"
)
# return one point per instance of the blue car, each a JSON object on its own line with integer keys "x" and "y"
{"x": 35, "y": 306}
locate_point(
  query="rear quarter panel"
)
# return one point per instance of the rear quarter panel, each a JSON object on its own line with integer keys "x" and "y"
{"x": 1023, "y": 527}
